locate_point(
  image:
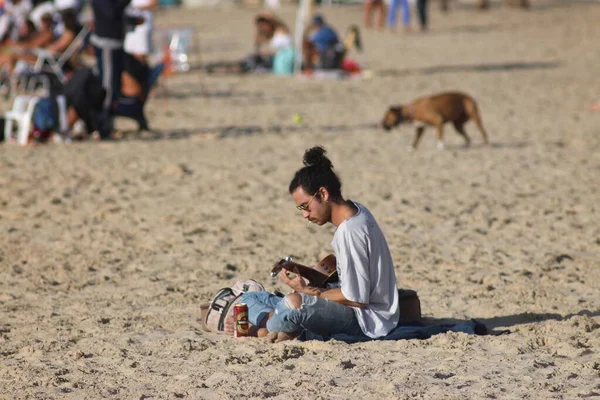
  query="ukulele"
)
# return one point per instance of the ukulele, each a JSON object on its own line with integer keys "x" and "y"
{"x": 319, "y": 276}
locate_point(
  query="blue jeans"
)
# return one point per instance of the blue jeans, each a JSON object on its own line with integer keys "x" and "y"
{"x": 405, "y": 13}
{"x": 319, "y": 316}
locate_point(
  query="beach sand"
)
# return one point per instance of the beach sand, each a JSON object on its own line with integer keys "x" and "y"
{"x": 108, "y": 249}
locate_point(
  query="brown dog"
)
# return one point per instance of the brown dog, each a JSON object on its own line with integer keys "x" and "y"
{"x": 436, "y": 110}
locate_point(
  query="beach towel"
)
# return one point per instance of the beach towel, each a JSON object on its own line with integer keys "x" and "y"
{"x": 407, "y": 330}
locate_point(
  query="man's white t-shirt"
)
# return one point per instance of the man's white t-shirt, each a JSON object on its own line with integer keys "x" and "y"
{"x": 366, "y": 272}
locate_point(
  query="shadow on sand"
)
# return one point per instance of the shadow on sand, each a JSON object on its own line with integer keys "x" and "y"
{"x": 217, "y": 94}
{"x": 561, "y": 4}
{"x": 507, "y": 321}
{"x": 468, "y": 29}
{"x": 534, "y": 5}
{"x": 509, "y": 145}
{"x": 244, "y": 130}
{"x": 232, "y": 131}
{"x": 516, "y": 66}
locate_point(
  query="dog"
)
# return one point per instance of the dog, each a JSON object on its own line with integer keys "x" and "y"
{"x": 435, "y": 111}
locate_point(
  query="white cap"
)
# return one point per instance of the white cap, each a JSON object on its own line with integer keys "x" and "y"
{"x": 39, "y": 11}
{"x": 66, "y": 4}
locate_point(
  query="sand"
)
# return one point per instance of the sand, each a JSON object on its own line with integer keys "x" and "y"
{"x": 108, "y": 249}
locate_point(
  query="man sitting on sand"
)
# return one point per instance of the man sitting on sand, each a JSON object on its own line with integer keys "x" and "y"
{"x": 365, "y": 305}
{"x": 322, "y": 47}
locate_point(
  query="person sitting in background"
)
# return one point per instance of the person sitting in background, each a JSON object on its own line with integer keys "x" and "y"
{"x": 85, "y": 98}
{"x": 24, "y": 50}
{"x": 70, "y": 29}
{"x": 273, "y": 33}
{"x": 14, "y": 14}
{"x": 322, "y": 48}
{"x": 271, "y": 37}
{"x": 27, "y": 32}
{"x": 32, "y": 39}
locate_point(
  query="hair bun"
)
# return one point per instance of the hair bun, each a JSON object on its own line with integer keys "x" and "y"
{"x": 316, "y": 156}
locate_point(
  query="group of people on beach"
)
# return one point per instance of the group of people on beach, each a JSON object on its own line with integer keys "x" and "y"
{"x": 118, "y": 37}
{"x": 274, "y": 47}
{"x": 388, "y": 14}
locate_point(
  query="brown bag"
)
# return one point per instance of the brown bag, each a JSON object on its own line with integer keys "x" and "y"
{"x": 410, "y": 305}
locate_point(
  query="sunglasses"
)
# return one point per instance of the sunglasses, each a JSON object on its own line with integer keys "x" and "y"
{"x": 304, "y": 206}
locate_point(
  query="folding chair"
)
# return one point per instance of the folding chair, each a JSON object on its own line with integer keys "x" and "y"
{"x": 29, "y": 82}
{"x": 56, "y": 65}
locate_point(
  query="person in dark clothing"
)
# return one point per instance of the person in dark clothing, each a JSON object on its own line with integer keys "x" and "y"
{"x": 422, "y": 11}
{"x": 134, "y": 77}
{"x": 322, "y": 48}
{"x": 85, "y": 98}
{"x": 134, "y": 88}
{"x": 109, "y": 33}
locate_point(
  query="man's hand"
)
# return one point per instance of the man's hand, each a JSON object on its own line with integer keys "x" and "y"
{"x": 297, "y": 283}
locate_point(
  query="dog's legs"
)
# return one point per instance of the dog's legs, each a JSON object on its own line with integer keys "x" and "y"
{"x": 418, "y": 133}
{"x": 460, "y": 128}
{"x": 440, "y": 135}
{"x": 473, "y": 112}
{"x": 481, "y": 129}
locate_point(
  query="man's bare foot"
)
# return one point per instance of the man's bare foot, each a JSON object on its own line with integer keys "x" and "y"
{"x": 262, "y": 332}
{"x": 117, "y": 135}
{"x": 276, "y": 337}
{"x": 272, "y": 336}
{"x": 284, "y": 336}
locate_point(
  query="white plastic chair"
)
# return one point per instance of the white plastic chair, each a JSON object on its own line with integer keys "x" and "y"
{"x": 22, "y": 114}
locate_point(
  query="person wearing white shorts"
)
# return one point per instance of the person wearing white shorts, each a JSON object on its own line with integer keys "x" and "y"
{"x": 138, "y": 40}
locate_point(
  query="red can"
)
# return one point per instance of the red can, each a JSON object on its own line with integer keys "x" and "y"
{"x": 240, "y": 320}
